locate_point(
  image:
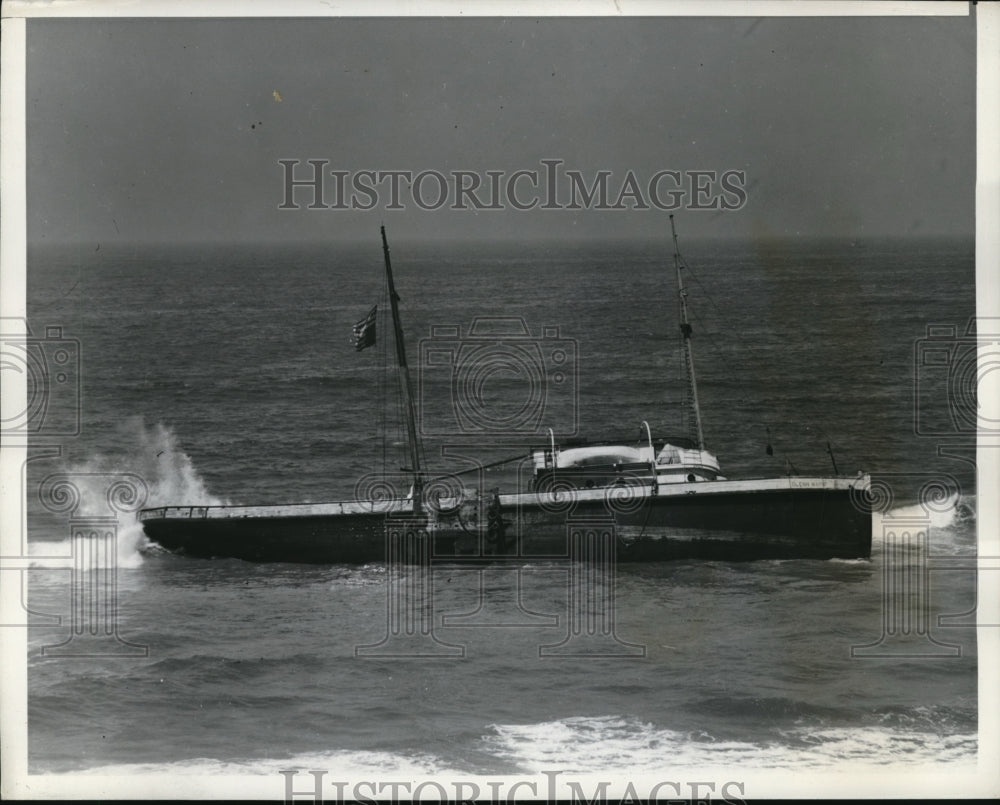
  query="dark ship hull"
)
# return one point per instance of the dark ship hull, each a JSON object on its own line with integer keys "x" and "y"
{"x": 785, "y": 518}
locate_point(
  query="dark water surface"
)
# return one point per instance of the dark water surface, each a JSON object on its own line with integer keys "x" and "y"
{"x": 226, "y": 373}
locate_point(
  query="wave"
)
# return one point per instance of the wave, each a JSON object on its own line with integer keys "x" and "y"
{"x": 584, "y": 745}
{"x": 587, "y": 745}
{"x": 340, "y": 764}
{"x": 153, "y": 454}
{"x": 955, "y": 507}
{"x": 950, "y": 523}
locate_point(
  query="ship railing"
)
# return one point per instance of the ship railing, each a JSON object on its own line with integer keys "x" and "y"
{"x": 189, "y": 512}
{"x": 286, "y": 509}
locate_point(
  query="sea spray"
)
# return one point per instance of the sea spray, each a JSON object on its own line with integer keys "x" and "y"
{"x": 163, "y": 474}
{"x": 942, "y": 514}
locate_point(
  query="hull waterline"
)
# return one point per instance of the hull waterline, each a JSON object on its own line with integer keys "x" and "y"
{"x": 727, "y": 520}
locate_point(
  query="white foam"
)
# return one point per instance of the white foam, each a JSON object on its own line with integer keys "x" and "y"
{"x": 153, "y": 454}
{"x": 342, "y": 764}
{"x": 584, "y": 745}
{"x": 941, "y": 515}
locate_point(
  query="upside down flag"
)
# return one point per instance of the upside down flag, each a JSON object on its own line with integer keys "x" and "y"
{"x": 364, "y": 331}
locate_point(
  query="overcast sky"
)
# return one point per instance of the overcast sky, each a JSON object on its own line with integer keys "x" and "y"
{"x": 171, "y": 130}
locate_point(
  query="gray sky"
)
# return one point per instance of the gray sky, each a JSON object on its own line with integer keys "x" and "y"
{"x": 171, "y": 130}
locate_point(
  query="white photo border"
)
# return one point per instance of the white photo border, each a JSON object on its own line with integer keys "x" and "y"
{"x": 849, "y": 783}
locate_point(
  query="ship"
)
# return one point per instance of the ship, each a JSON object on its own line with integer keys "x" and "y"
{"x": 656, "y": 500}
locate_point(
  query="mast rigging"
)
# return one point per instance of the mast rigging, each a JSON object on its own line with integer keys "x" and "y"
{"x": 694, "y": 410}
{"x": 406, "y": 383}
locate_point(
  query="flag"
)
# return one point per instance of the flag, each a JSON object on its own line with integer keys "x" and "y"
{"x": 364, "y": 331}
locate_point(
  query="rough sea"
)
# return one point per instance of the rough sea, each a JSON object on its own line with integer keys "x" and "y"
{"x": 226, "y": 373}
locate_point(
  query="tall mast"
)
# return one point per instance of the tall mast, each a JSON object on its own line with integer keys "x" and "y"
{"x": 406, "y": 383}
{"x": 686, "y": 340}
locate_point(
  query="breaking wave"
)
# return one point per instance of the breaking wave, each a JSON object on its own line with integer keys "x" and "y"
{"x": 152, "y": 470}
{"x": 588, "y": 744}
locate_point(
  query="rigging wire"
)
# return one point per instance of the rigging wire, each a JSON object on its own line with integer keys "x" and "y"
{"x": 811, "y": 422}
{"x": 382, "y": 424}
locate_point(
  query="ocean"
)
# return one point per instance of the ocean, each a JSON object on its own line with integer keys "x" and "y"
{"x": 226, "y": 373}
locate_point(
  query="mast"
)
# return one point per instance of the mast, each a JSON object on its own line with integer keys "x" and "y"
{"x": 406, "y": 383}
{"x": 685, "y": 326}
